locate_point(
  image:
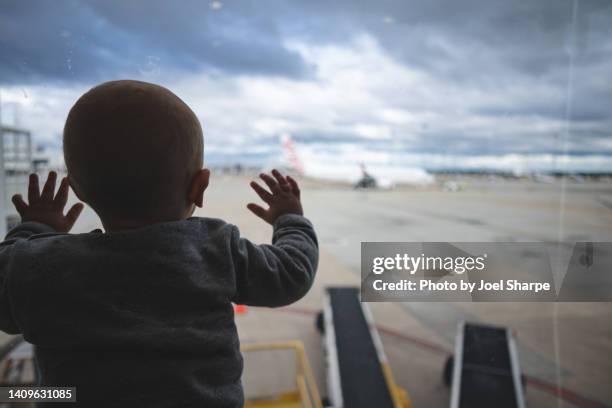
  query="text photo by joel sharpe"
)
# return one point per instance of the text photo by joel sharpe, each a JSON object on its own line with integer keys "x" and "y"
{"x": 486, "y": 272}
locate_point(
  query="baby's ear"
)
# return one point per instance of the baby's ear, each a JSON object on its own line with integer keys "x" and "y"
{"x": 199, "y": 183}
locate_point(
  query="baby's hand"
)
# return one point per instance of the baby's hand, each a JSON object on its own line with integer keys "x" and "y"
{"x": 284, "y": 199}
{"x": 44, "y": 208}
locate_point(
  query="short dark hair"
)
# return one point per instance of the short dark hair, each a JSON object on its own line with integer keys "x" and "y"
{"x": 132, "y": 148}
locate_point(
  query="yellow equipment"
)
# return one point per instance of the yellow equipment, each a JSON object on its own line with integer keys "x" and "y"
{"x": 306, "y": 393}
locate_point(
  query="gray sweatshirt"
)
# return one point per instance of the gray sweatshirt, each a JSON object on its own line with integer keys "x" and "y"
{"x": 144, "y": 317}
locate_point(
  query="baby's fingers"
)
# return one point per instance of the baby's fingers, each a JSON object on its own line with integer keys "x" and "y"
{"x": 282, "y": 181}
{"x": 261, "y": 192}
{"x": 294, "y": 186}
{"x": 19, "y": 204}
{"x": 49, "y": 188}
{"x": 258, "y": 211}
{"x": 33, "y": 189}
{"x": 73, "y": 213}
{"x": 62, "y": 194}
{"x": 270, "y": 182}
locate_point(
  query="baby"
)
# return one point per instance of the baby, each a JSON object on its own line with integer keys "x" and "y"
{"x": 141, "y": 315}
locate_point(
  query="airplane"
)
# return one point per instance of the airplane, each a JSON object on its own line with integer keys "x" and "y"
{"x": 357, "y": 173}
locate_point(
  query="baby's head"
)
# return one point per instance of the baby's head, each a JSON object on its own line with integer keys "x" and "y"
{"x": 134, "y": 153}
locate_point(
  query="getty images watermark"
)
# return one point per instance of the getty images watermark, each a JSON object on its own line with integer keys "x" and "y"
{"x": 486, "y": 272}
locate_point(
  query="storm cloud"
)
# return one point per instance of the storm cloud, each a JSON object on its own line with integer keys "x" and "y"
{"x": 439, "y": 76}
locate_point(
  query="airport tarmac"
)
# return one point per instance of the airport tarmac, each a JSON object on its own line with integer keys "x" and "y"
{"x": 565, "y": 349}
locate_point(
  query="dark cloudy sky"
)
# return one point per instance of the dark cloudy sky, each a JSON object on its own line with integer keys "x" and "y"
{"x": 482, "y": 78}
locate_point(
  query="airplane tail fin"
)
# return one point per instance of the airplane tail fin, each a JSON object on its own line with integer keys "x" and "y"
{"x": 291, "y": 154}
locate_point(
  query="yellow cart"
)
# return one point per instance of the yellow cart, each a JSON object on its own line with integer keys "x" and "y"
{"x": 305, "y": 395}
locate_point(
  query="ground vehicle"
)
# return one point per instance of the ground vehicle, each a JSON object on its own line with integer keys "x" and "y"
{"x": 358, "y": 373}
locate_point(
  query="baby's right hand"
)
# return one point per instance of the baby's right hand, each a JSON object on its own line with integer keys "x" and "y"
{"x": 48, "y": 207}
{"x": 283, "y": 199}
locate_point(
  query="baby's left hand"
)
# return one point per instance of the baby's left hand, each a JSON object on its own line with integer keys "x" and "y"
{"x": 46, "y": 209}
{"x": 283, "y": 197}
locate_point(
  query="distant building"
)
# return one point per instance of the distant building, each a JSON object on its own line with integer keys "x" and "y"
{"x": 15, "y": 166}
